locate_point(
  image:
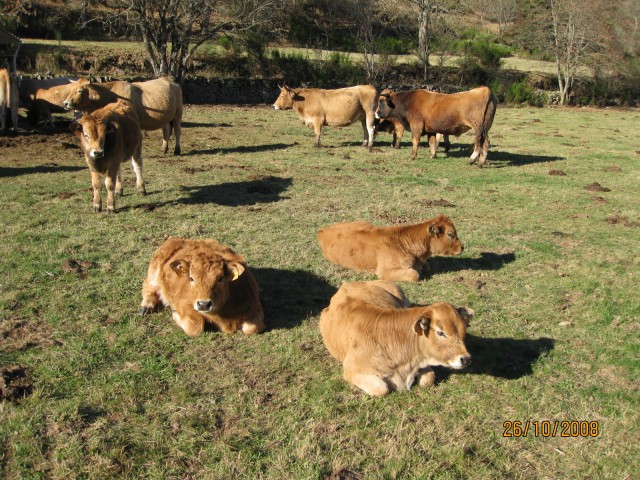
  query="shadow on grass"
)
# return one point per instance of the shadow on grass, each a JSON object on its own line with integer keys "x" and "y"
{"x": 205, "y": 124}
{"x": 234, "y": 194}
{"x": 507, "y": 358}
{"x": 487, "y": 261}
{"x": 241, "y": 149}
{"x": 291, "y": 296}
{"x": 498, "y": 159}
{"x": 50, "y": 168}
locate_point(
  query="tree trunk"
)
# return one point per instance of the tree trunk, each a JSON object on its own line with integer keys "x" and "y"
{"x": 423, "y": 37}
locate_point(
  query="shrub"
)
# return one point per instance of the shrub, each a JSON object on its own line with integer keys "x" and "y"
{"x": 521, "y": 92}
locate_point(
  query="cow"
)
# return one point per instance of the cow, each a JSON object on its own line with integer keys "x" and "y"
{"x": 48, "y": 100}
{"x": 203, "y": 282}
{"x": 336, "y": 108}
{"x": 396, "y": 128}
{"x": 8, "y": 98}
{"x": 386, "y": 345}
{"x": 452, "y": 114}
{"x": 158, "y": 103}
{"x": 29, "y": 87}
{"x": 397, "y": 252}
{"x": 109, "y": 136}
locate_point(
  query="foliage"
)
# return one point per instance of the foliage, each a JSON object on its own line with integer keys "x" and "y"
{"x": 519, "y": 93}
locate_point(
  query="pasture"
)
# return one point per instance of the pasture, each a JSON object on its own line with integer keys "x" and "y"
{"x": 92, "y": 390}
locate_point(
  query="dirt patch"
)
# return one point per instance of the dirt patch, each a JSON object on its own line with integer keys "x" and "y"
{"x": 15, "y": 384}
{"x": 344, "y": 474}
{"x": 618, "y": 220}
{"x": 596, "y": 187}
{"x": 612, "y": 169}
{"x": 65, "y": 195}
{"x": 192, "y": 170}
{"x": 536, "y": 120}
{"x": 22, "y": 334}
{"x": 147, "y": 208}
{"x": 558, "y": 173}
{"x": 600, "y": 200}
{"x": 392, "y": 218}
{"x": 436, "y": 203}
{"x": 79, "y": 267}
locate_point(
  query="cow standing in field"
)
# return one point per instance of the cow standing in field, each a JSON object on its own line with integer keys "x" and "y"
{"x": 336, "y": 108}
{"x": 48, "y": 100}
{"x": 109, "y": 136}
{"x": 157, "y": 103}
{"x": 452, "y": 114}
{"x": 398, "y": 252}
{"x": 203, "y": 282}
{"x": 386, "y": 345}
{"x": 8, "y": 98}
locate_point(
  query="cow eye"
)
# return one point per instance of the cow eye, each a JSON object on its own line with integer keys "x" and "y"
{"x": 220, "y": 279}
{"x": 87, "y": 137}
{"x": 441, "y": 334}
{"x": 451, "y": 234}
{"x": 191, "y": 279}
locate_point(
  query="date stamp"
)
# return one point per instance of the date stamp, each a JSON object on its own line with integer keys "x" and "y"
{"x": 551, "y": 428}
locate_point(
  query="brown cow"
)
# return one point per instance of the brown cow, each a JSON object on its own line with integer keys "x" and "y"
{"x": 396, "y": 128}
{"x": 158, "y": 103}
{"x": 398, "y": 252}
{"x": 48, "y": 100}
{"x": 8, "y": 98}
{"x": 384, "y": 344}
{"x": 109, "y": 136}
{"x": 452, "y": 114}
{"x": 203, "y": 282}
{"x": 336, "y": 108}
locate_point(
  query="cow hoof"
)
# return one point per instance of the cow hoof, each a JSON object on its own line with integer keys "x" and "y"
{"x": 97, "y": 208}
{"x": 145, "y": 310}
{"x": 176, "y": 151}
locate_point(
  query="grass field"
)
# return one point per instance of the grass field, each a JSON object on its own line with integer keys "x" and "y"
{"x": 551, "y": 267}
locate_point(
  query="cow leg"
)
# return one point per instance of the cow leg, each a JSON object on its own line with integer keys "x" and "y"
{"x": 426, "y": 377}
{"x": 255, "y": 325}
{"x": 136, "y": 162}
{"x": 150, "y": 297}
{"x": 485, "y": 151}
{"x": 119, "y": 187}
{"x": 363, "y": 122}
{"x": 317, "y": 129}
{"x": 433, "y": 144}
{"x": 191, "y": 323}
{"x": 110, "y": 183}
{"x": 177, "y": 132}
{"x": 415, "y": 140}
{"x": 370, "y": 130}
{"x": 446, "y": 143}
{"x": 369, "y": 382}
{"x": 3, "y": 113}
{"x": 477, "y": 148}
{"x": 398, "y": 274}
{"x": 166, "y": 135}
{"x": 96, "y": 183}
{"x": 398, "y": 131}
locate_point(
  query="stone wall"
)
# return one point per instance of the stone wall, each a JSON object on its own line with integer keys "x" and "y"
{"x": 231, "y": 90}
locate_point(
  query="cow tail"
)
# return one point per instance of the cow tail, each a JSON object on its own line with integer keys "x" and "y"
{"x": 170, "y": 128}
{"x": 489, "y": 113}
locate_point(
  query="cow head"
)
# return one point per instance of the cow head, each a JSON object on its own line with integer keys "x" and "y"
{"x": 79, "y": 95}
{"x": 285, "y": 99}
{"x": 443, "y": 238}
{"x": 441, "y": 329}
{"x": 92, "y": 133}
{"x": 209, "y": 279}
{"x": 385, "y": 104}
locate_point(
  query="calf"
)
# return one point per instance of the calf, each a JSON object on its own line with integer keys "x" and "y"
{"x": 396, "y": 128}
{"x": 337, "y": 108}
{"x": 108, "y": 137}
{"x": 203, "y": 282}
{"x": 384, "y": 344}
{"x": 397, "y": 252}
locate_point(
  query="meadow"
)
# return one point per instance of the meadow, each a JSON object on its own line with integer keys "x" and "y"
{"x": 92, "y": 390}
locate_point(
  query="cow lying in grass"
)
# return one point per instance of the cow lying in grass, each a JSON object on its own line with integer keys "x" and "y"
{"x": 386, "y": 345}
{"x": 397, "y": 252}
{"x": 203, "y": 282}
{"x": 108, "y": 137}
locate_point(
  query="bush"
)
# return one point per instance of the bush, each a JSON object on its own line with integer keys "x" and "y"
{"x": 521, "y": 92}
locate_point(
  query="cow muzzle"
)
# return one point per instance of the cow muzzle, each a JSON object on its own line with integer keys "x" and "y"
{"x": 96, "y": 153}
{"x": 275, "y": 107}
{"x": 463, "y": 361}
{"x": 67, "y": 105}
{"x": 203, "y": 305}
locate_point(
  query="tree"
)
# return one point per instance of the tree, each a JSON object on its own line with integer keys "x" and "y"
{"x": 574, "y": 36}
{"x": 13, "y": 9}
{"x": 172, "y": 30}
{"x": 428, "y": 12}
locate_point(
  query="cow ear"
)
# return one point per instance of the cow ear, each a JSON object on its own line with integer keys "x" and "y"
{"x": 111, "y": 127}
{"x": 93, "y": 95}
{"x": 234, "y": 270}
{"x": 466, "y": 314}
{"x": 390, "y": 103}
{"x": 421, "y": 327}
{"x": 180, "y": 267}
{"x": 75, "y": 127}
{"x": 435, "y": 230}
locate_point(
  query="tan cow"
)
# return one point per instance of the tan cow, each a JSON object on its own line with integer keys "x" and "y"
{"x": 396, "y": 128}
{"x": 158, "y": 103}
{"x": 386, "y": 345}
{"x": 203, "y": 282}
{"x": 336, "y": 108}
{"x": 398, "y": 252}
{"x": 8, "y": 98}
{"x": 452, "y": 114}
{"x": 109, "y": 136}
{"x": 48, "y": 100}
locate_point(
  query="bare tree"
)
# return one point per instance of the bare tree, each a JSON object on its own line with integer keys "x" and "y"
{"x": 574, "y": 36}
{"x": 11, "y": 9}
{"x": 364, "y": 14}
{"x": 172, "y": 30}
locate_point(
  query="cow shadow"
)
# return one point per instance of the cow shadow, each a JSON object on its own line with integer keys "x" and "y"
{"x": 507, "y": 358}
{"x": 291, "y": 296}
{"x": 487, "y": 261}
{"x": 495, "y": 158}
{"x": 17, "y": 171}
{"x": 234, "y": 194}
{"x": 241, "y": 149}
{"x": 205, "y": 124}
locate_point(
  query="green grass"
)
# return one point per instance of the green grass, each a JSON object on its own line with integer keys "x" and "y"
{"x": 115, "y": 395}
